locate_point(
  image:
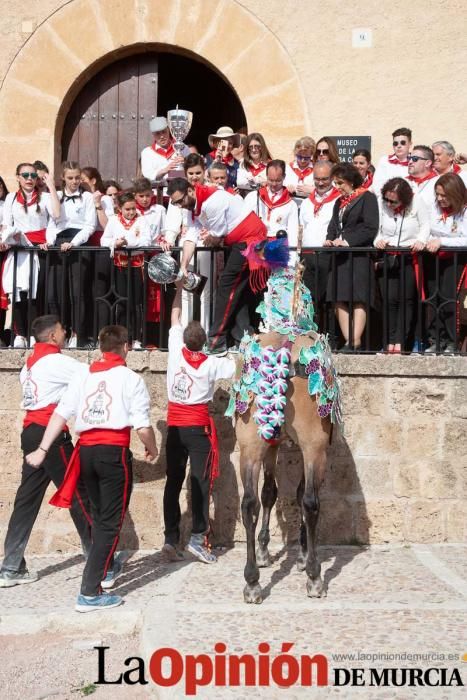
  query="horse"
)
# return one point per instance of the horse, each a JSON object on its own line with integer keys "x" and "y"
{"x": 311, "y": 430}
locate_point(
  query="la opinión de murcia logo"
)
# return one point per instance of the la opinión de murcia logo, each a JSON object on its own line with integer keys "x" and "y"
{"x": 167, "y": 667}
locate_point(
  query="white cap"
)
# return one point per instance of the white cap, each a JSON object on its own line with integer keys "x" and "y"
{"x": 158, "y": 124}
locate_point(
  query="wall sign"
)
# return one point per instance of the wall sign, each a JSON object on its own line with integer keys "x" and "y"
{"x": 347, "y": 145}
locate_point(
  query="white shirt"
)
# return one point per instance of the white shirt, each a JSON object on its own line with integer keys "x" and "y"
{"x": 245, "y": 177}
{"x": 425, "y": 190}
{"x": 77, "y": 213}
{"x": 276, "y": 218}
{"x": 188, "y": 385}
{"x": 220, "y": 213}
{"x": 315, "y": 226}
{"x": 110, "y": 400}
{"x": 403, "y": 229}
{"x": 385, "y": 170}
{"x": 138, "y": 236}
{"x": 16, "y": 219}
{"x": 452, "y": 231}
{"x": 155, "y": 218}
{"x": 152, "y": 163}
{"x": 291, "y": 177}
{"x": 46, "y": 381}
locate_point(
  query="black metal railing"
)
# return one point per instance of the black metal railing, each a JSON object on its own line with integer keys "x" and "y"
{"x": 415, "y": 300}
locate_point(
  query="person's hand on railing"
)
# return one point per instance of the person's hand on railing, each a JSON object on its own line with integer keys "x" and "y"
{"x": 165, "y": 245}
{"x": 433, "y": 245}
{"x": 65, "y": 247}
{"x": 381, "y": 244}
{"x": 340, "y": 243}
{"x": 4, "y": 246}
{"x": 120, "y": 242}
{"x": 328, "y": 244}
{"x": 43, "y": 246}
{"x": 417, "y": 246}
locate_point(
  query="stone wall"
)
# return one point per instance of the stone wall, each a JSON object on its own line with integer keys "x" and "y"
{"x": 398, "y": 475}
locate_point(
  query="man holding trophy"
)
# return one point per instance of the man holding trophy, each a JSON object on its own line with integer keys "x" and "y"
{"x": 163, "y": 160}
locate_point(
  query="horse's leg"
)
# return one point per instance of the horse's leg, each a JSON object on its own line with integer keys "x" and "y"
{"x": 314, "y": 458}
{"x": 268, "y": 499}
{"x": 251, "y": 457}
{"x": 302, "y": 553}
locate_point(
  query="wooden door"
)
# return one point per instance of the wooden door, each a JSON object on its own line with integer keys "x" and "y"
{"x": 108, "y": 124}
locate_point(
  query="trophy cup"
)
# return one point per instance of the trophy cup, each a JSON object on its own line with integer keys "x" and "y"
{"x": 164, "y": 269}
{"x": 179, "y": 121}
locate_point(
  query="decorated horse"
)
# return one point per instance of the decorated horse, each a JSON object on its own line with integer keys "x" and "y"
{"x": 285, "y": 387}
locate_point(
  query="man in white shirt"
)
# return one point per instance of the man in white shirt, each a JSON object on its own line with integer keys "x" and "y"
{"x": 159, "y": 161}
{"x": 107, "y": 399}
{"x": 191, "y": 432}
{"x": 274, "y": 205}
{"x": 217, "y": 218}
{"x": 315, "y": 215}
{"x": 396, "y": 164}
{"x": 445, "y": 160}
{"x": 44, "y": 379}
{"x": 422, "y": 177}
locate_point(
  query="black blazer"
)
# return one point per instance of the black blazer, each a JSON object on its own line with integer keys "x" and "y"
{"x": 360, "y": 222}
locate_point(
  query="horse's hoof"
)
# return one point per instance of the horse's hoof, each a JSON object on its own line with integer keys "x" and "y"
{"x": 253, "y": 594}
{"x": 301, "y": 563}
{"x": 262, "y": 558}
{"x": 315, "y": 588}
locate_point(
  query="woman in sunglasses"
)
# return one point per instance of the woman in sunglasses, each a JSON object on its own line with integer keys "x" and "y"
{"x": 326, "y": 149}
{"x": 252, "y": 170}
{"x": 26, "y": 214}
{"x": 396, "y": 164}
{"x": 354, "y": 222}
{"x": 448, "y": 229}
{"x": 404, "y": 222}
{"x": 299, "y": 173}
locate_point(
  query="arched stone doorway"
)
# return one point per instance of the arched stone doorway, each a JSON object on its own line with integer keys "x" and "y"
{"x": 107, "y": 124}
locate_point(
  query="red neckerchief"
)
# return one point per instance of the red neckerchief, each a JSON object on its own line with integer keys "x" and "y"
{"x": 202, "y": 193}
{"x": 165, "y": 152}
{"x": 317, "y": 205}
{"x": 41, "y": 350}
{"x": 283, "y": 199}
{"x": 126, "y": 223}
{"x": 446, "y": 212}
{"x": 194, "y": 358}
{"x": 108, "y": 361}
{"x": 257, "y": 169}
{"x": 419, "y": 180}
{"x": 344, "y": 201}
{"x": 394, "y": 160}
{"x": 227, "y": 160}
{"x": 20, "y": 198}
{"x": 456, "y": 168}
{"x": 302, "y": 174}
{"x": 399, "y": 209}
{"x": 368, "y": 181}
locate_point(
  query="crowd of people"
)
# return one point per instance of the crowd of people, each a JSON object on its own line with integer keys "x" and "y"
{"x": 411, "y": 205}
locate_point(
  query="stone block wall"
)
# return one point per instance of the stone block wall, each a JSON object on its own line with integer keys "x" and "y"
{"x": 398, "y": 474}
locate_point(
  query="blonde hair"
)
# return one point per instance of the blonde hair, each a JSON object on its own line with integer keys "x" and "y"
{"x": 306, "y": 143}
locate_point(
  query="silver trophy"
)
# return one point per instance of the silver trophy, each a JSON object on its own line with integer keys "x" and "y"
{"x": 179, "y": 121}
{"x": 164, "y": 269}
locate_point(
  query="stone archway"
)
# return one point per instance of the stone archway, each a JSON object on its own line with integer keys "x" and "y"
{"x": 61, "y": 56}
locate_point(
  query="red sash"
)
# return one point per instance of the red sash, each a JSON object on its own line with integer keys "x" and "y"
{"x": 63, "y": 497}
{"x": 154, "y": 301}
{"x": 36, "y": 237}
{"x": 121, "y": 259}
{"x": 40, "y": 416}
{"x": 251, "y": 231}
{"x": 317, "y": 205}
{"x": 183, "y": 415}
{"x": 95, "y": 239}
{"x": 3, "y": 295}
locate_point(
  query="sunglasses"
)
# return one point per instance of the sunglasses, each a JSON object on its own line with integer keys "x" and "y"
{"x": 303, "y": 157}
{"x": 254, "y": 147}
{"x": 416, "y": 158}
{"x": 390, "y": 201}
{"x": 29, "y": 176}
{"x": 322, "y": 151}
{"x": 399, "y": 143}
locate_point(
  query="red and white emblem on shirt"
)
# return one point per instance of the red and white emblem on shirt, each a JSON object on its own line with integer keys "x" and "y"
{"x": 97, "y": 406}
{"x": 181, "y": 387}
{"x": 30, "y": 397}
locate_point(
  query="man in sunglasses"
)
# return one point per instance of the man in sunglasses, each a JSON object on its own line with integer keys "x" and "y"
{"x": 422, "y": 177}
{"x": 395, "y": 164}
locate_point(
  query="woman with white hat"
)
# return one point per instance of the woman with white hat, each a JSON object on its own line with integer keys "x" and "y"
{"x": 222, "y": 143}
{"x": 160, "y": 160}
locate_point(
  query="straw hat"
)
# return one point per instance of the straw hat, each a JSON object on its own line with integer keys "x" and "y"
{"x": 224, "y": 132}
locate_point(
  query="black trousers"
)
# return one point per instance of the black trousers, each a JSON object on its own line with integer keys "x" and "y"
{"x": 399, "y": 301}
{"x": 183, "y": 443}
{"x": 444, "y": 296}
{"x": 315, "y": 275}
{"x": 30, "y": 494}
{"x": 231, "y": 311}
{"x": 130, "y": 311}
{"x": 107, "y": 473}
{"x": 99, "y": 309}
{"x": 68, "y": 285}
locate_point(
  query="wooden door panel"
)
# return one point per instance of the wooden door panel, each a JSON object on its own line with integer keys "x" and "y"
{"x": 127, "y": 141}
{"x": 147, "y": 102}
{"x": 88, "y": 136}
{"x": 108, "y": 124}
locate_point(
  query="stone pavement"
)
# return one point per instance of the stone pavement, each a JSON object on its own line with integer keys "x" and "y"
{"x": 384, "y": 599}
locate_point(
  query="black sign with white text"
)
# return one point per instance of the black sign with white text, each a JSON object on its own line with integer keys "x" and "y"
{"x": 347, "y": 145}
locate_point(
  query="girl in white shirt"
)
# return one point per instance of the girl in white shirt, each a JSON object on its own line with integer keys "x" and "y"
{"x": 128, "y": 230}
{"x": 77, "y": 223}
{"x": 26, "y": 215}
{"x": 404, "y": 223}
{"x": 448, "y": 229}
{"x": 252, "y": 170}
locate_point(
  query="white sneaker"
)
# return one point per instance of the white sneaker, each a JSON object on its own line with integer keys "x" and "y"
{"x": 73, "y": 342}
{"x": 32, "y": 341}
{"x": 20, "y": 342}
{"x": 137, "y": 345}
